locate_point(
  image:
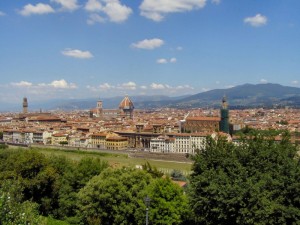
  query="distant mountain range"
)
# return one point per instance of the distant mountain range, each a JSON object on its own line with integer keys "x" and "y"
{"x": 247, "y": 95}
{"x": 242, "y": 96}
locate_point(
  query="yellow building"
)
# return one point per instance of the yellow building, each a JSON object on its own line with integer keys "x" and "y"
{"x": 98, "y": 140}
{"x": 59, "y": 138}
{"x": 115, "y": 142}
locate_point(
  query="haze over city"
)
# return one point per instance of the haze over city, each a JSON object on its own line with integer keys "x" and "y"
{"x": 54, "y": 49}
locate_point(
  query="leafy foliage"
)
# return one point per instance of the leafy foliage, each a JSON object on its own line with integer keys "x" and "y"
{"x": 13, "y": 211}
{"x": 113, "y": 197}
{"x": 168, "y": 203}
{"x": 152, "y": 170}
{"x": 255, "y": 182}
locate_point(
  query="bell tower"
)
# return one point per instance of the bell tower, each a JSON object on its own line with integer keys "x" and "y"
{"x": 25, "y": 105}
{"x": 99, "y": 108}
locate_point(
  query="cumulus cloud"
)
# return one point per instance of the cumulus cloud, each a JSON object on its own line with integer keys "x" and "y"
{"x": 106, "y": 86}
{"x": 38, "y": 9}
{"x": 69, "y": 5}
{"x": 129, "y": 86}
{"x": 263, "y": 81}
{"x": 148, "y": 44}
{"x": 157, "y": 9}
{"x": 133, "y": 88}
{"x": 162, "y": 61}
{"x": 93, "y": 6}
{"x": 256, "y": 21}
{"x": 22, "y": 84}
{"x": 75, "y": 53}
{"x": 295, "y": 82}
{"x": 113, "y": 9}
{"x": 156, "y": 86}
{"x": 173, "y": 60}
{"x": 62, "y": 84}
{"x": 2, "y": 13}
{"x": 95, "y": 18}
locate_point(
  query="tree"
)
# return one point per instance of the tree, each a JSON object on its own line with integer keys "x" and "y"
{"x": 113, "y": 197}
{"x": 12, "y": 210}
{"x": 177, "y": 175}
{"x": 168, "y": 203}
{"x": 152, "y": 170}
{"x": 255, "y": 182}
{"x": 74, "y": 178}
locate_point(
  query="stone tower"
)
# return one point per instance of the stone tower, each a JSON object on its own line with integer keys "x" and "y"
{"x": 25, "y": 105}
{"x": 99, "y": 108}
{"x": 224, "y": 123}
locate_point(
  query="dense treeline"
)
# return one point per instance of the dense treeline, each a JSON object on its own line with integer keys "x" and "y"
{"x": 84, "y": 192}
{"x": 254, "y": 182}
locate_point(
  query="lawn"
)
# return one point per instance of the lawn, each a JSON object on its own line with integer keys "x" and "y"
{"x": 118, "y": 160}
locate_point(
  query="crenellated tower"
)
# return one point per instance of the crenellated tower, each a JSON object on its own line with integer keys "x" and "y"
{"x": 25, "y": 105}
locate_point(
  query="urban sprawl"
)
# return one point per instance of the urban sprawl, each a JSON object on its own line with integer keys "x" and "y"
{"x": 165, "y": 130}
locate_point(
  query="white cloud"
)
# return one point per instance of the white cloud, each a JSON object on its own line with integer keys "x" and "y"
{"x": 77, "y": 53}
{"x": 157, "y": 86}
{"x": 133, "y": 88}
{"x": 173, "y": 60}
{"x": 165, "y": 61}
{"x": 179, "y": 48}
{"x": 106, "y": 86}
{"x": 95, "y": 18}
{"x": 39, "y": 9}
{"x": 157, "y": 9}
{"x": 2, "y": 13}
{"x": 93, "y": 6}
{"x": 229, "y": 86}
{"x": 295, "y": 82}
{"x": 263, "y": 81}
{"x": 116, "y": 12}
{"x": 69, "y": 5}
{"x": 256, "y": 21}
{"x": 148, "y": 44}
{"x": 217, "y": 2}
{"x": 113, "y": 9}
{"x": 22, "y": 84}
{"x": 128, "y": 86}
{"x": 184, "y": 87}
{"x": 205, "y": 89}
{"x": 62, "y": 84}
{"x": 161, "y": 61}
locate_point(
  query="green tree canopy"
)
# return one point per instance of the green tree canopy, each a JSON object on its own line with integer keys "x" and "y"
{"x": 168, "y": 203}
{"x": 113, "y": 197}
{"x": 254, "y": 182}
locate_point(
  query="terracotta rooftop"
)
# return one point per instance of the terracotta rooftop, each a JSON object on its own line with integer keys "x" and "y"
{"x": 203, "y": 118}
{"x": 126, "y": 103}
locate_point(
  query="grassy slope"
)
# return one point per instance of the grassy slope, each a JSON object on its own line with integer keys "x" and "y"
{"x": 117, "y": 160}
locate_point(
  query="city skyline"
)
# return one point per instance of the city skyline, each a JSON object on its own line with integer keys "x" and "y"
{"x": 77, "y": 49}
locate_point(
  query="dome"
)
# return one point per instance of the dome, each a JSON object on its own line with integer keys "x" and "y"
{"x": 126, "y": 103}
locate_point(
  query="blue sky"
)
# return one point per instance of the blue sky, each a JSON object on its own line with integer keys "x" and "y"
{"x": 100, "y": 48}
